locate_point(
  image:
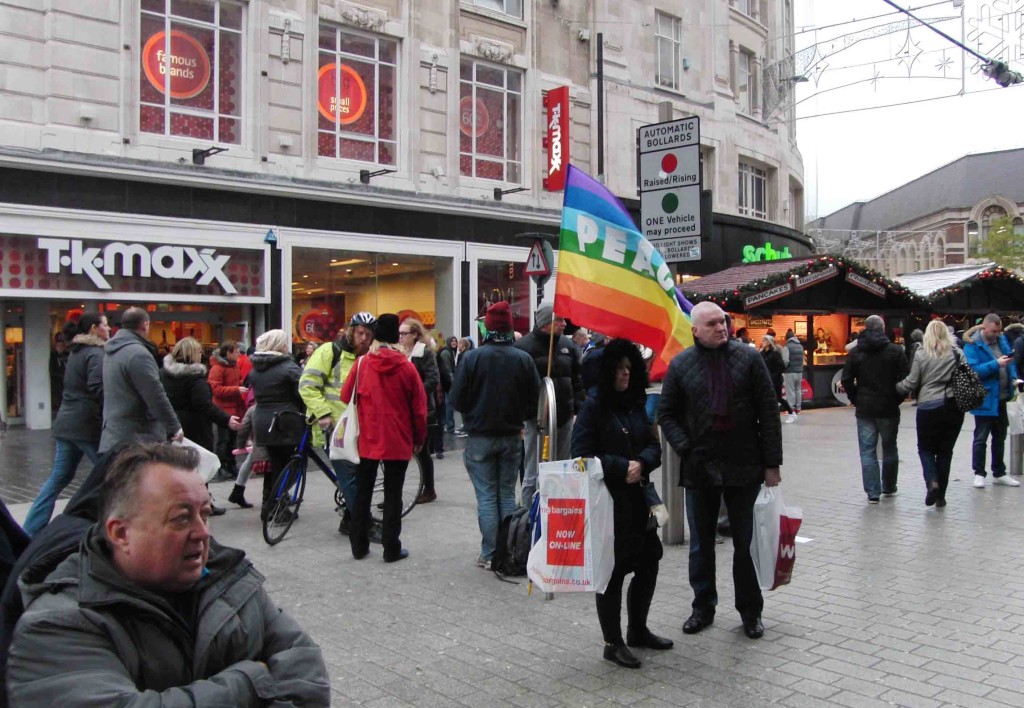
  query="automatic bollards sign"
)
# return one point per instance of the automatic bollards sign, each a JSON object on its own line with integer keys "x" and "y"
{"x": 668, "y": 157}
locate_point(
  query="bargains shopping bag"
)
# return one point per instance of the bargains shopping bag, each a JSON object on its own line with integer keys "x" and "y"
{"x": 209, "y": 463}
{"x": 773, "y": 544}
{"x": 1015, "y": 415}
{"x": 576, "y": 548}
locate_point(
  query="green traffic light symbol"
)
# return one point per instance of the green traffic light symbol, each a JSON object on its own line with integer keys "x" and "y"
{"x": 669, "y": 203}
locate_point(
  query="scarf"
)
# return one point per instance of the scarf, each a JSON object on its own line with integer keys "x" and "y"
{"x": 719, "y": 389}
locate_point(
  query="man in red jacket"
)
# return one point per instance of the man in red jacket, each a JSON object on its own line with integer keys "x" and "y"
{"x": 229, "y": 395}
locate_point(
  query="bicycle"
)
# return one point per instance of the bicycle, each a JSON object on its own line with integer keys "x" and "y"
{"x": 290, "y": 487}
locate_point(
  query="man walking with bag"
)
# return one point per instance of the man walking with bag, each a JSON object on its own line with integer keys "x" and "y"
{"x": 990, "y": 355}
{"x": 872, "y": 370}
{"x": 719, "y": 412}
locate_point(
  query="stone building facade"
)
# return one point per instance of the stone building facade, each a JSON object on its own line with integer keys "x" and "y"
{"x": 381, "y": 154}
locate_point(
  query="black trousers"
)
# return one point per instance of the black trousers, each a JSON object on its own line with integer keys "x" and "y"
{"x": 225, "y": 444}
{"x": 279, "y": 456}
{"x": 427, "y": 466}
{"x": 394, "y": 480}
{"x": 702, "y": 509}
{"x": 638, "y": 598}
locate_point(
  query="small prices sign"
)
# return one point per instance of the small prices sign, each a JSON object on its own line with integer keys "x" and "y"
{"x": 341, "y": 93}
{"x": 183, "y": 59}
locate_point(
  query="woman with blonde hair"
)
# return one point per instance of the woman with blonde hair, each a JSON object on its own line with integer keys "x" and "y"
{"x": 392, "y": 411}
{"x": 938, "y": 419}
{"x": 275, "y": 384}
{"x": 419, "y": 349}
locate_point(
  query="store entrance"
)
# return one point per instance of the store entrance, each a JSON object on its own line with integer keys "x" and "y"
{"x": 14, "y": 358}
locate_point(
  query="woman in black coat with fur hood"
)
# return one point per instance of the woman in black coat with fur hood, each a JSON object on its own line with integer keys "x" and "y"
{"x": 184, "y": 380}
{"x": 613, "y": 426}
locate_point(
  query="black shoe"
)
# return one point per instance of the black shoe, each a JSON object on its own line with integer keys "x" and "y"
{"x": 698, "y": 621}
{"x": 753, "y": 628}
{"x": 649, "y": 640}
{"x": 345, "y": 526}
{"x": 440, "y": 455}
{"x": 237, "y": 496}
{"x": 940, "y": 502}
{"x": 889, "y": 493}
{"x": 361, "y": 555}
{"x": 619, "y": 654}
{"x": 402, "y": 555}
{"x": 217, "y": 510}
{"x": 932, "y": 496}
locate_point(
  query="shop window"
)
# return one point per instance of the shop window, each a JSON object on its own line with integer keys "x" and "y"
{"x": 329, "y": 286}
{"x": 490, "y": 116}
{"x": 191, "y": 72}
{"x": 356, "y": 84}
{"x": 753, "y": 191}
{"x": 669, "y": 32}
{"x": 508, "y": 7}
{"x": 504, "y": 281}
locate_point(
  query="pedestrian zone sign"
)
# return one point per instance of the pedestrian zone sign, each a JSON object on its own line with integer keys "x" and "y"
{"x": 537, "y": 263}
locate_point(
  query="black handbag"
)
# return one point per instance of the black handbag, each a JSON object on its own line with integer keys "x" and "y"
{"x": 965, "y": 388}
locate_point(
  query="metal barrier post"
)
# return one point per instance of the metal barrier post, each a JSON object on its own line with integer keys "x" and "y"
{"x": 547, "y": 424}
{"x": 674, "y": 532}
{"x": 1016, "y": 453}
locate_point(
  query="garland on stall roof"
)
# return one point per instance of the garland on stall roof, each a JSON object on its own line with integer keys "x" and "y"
{"x": 733, "y": 299}
{"x": 997, "y": 273}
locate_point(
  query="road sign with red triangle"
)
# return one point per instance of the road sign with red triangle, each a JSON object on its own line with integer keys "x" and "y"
{"x": 538, "y": 262}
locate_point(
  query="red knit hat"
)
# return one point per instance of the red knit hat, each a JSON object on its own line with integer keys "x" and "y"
{"x": 498, "y": 318}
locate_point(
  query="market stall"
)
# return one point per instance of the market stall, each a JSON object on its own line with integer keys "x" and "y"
{"x": 823, "y": 300}
{"x": 961, "y": 294}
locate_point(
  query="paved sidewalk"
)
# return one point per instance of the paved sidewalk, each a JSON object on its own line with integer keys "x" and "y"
{"x": 894, "y": 604}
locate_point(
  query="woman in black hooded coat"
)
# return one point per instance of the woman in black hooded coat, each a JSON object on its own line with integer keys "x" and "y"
{"x": 613, "y": 427}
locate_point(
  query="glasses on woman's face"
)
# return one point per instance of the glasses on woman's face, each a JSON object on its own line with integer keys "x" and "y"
{"x": 405, "y": 333}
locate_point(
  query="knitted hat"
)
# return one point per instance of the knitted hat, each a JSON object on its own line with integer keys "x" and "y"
{"x": 544, "y": 315}
{"x": 498, "y": 318}
{"x": 386, "y": 329}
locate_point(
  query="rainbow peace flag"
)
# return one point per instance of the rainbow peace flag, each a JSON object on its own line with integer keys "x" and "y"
{"x": 611, "y": 279}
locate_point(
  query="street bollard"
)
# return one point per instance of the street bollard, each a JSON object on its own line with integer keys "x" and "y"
{"x": 673, "y": 532}
{"x": 1016, "y": 453}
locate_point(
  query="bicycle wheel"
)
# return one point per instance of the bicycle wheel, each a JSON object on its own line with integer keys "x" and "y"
{"x": 410, "y": 490}
{"x": 288, "y": 491}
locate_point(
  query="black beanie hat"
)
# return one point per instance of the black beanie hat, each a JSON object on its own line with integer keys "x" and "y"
{"x": 386, "y": 329}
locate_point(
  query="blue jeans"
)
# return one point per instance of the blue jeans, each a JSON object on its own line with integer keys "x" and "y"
{"x": 345, "y": 471}
{"x": 702, "y": 505}
{"x": 869, "y": 430}
{"x": 67, "y": 455}
{"x": 994, "y": 425}
{"x": 493, "y": 466}
{"x": 449, "y": 412}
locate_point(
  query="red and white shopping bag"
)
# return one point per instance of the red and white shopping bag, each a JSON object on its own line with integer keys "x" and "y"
{"x": 773, "y": 544}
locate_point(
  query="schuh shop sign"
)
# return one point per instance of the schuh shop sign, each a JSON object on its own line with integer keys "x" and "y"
{"x": 202, "y": 265}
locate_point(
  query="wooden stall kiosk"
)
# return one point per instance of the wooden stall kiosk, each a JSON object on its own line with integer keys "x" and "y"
{"x": 961, "y": 294}
{"x": 823, "y": 299}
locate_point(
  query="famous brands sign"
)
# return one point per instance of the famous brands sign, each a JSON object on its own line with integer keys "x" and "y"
{"x": 128, "y": 269}
{"x": 182, "y": 62}
{"x": 557, "y": 138}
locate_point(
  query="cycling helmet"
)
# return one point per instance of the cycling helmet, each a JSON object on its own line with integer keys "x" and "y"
{"x": 363, "y": 318}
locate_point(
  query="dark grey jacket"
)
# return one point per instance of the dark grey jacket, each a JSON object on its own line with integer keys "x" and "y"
{"x": 88, "y": 637}
{"x": 496, "y": 388}
{"x": 796, "y": 356}
{"x": 275, "y": 383}
{"x": 135, "y": 406}
{"x": 735, "y": 457}
{"x": 81, "y": 412}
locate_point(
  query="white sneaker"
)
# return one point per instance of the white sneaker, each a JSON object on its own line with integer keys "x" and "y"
{"x": 979, "y": 481}
{"x": 1005, "y": 481}
{"x": 791, "y": 418}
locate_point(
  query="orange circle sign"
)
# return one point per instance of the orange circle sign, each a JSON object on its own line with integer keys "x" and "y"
{"x": 188, "y": 64}
{"x": 350, "y": 106}
{"x": 466, "y": 123}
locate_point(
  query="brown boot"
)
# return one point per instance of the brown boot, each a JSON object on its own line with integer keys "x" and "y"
{"x": 426, "y": 496}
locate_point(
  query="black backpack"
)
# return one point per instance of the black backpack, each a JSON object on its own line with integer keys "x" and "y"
{"x": 514, "y": 542}
{"x": 965, "y": 387}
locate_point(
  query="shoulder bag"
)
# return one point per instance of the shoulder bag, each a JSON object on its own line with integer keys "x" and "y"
{"x": 965, "y": 388}
{"x": 345, "y": 438}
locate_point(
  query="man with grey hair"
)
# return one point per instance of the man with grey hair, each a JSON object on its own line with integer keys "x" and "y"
{"x": 152, "y": 610}
{"x": 869, "y": 378}
{"x": 135, "y": 404}
{"x": 990, "y": 354}
{"x": 719, "y": 412}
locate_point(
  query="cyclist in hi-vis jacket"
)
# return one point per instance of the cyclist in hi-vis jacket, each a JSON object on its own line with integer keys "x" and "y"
{"x": 320, "y": 388}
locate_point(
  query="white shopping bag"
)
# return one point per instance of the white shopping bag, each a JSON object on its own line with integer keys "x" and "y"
{"x": 773, "y": 543}
{"x": 209, "y": 463}
{"x": 576, "y": 549}
{"x": 1015, "y": 415}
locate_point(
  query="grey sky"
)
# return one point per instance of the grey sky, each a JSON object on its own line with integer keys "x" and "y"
{"x": 870, "y": 63}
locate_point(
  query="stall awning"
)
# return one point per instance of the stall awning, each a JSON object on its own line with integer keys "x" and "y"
{"x": 819, "y": 283}
{"x": 969, "y": 290}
